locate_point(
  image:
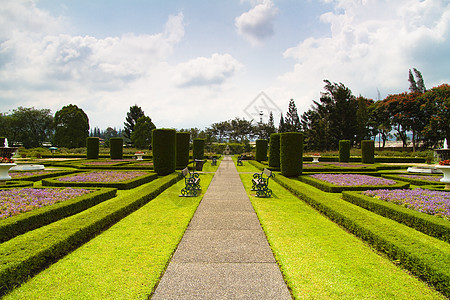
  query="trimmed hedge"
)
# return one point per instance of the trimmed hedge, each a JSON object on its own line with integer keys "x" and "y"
{"x": 116, "y": 148}
{"x": 413, "y": 180}
{"x": 344, "y": 150}
{"x": 182, "y": 149}
{"x": 92, "y": 147}
{"x": 291, "y": 153}
{"x": 261, "y": 150}
{"x": 19, "y": 224}
{"x": 368, "y": 152}
{"x": 164, "y": 151}
{"x": 198, "y": 149}
{"x": 425, "y": 256}
{"x": 29, "y": 253}
{"x": 428, "y": 224}
{"x": 123, "y": 185}
{"x": 274, "y": 151}
{"x": 41, "y": 176}
{"x": 332, "y": 188}
{"x": 15, "y": 184}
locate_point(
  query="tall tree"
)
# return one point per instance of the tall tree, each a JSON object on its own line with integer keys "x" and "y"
{"x": 412, "y": 83}
{"x": 436, "y": 106}
{"x": 141, "y": 136}
{"x": 292, "y": 120}
{"x": 282, "y": 125}
{"x": 132, "y": 116}
{"x": 71, "y": 127}
{"x": 362, "y": 118}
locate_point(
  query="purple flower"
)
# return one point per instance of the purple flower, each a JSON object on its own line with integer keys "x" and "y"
{"x": 103, "y": 176}
{"x": 353, "y": 179}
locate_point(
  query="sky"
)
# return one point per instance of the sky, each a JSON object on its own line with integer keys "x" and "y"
{"x": 194, "y": 63}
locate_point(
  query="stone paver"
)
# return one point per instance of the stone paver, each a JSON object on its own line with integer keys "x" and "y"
{"x": 224, "y": 253}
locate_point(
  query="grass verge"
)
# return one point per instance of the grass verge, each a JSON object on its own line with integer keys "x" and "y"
{"x": 124, "y": 262}
{"x": 319, "y": 260}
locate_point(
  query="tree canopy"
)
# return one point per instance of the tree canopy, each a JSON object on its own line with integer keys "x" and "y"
{"x": 71, "y": 127}
{"x": 132, "y": 117}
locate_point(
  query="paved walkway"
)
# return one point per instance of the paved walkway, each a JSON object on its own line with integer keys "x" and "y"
{"x": 224, "y": 253}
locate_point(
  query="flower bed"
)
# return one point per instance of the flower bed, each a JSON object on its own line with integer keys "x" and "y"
{"x": 117, "y": 179}
{"x": 430, "y": 202}
{"x": 336, "y": 183}
{"x": 415, "y": 179}
{"x": 16, "y": 201}
{"x": 37, "y": 175}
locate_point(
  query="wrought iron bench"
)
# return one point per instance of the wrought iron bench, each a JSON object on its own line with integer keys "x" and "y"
{"x": 239, "y": 161}
{"x": 260, "y": 183}
{"x": 192, "y": 183}
{"x": 214, "y": 161}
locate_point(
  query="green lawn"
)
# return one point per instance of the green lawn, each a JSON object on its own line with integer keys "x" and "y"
{"x": 320, "y": 260}
{"x": 124, "y": 262}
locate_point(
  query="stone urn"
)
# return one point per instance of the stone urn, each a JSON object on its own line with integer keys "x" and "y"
{"x": 446, "y": 179}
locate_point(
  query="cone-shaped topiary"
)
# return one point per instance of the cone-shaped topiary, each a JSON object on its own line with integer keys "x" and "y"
{"x": 291, "y": 153}
{"x": 261, "y": 150}
{"x": 368, "y": 152}
{"x": 182, "y": 149}
{"x": 164, "y": 151}
{"x": 116, "y": 148}
{"x": 344, "y": 151}
{"x": 198, "y": 149}
{"x": 92, "y": 147}
{"x": 274, "y": 151}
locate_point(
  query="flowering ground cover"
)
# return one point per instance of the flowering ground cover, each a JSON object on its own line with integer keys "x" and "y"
{"x": 15, "y": 175}
{"x": 103, "y": 176}
{"x": 353, "y": 179}
{"x": 427, "y": 201}
{"x": 16, "y": 201}
{"x": 346, "y": 165}
{"x": 422, "y": 177}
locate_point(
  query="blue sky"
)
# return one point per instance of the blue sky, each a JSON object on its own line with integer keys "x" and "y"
{"x": 193, "y": 63}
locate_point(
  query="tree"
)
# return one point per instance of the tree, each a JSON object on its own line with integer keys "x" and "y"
{"x": 264, "y": 130}
{"x": 362, "y": 119}
{"x": 241, "y": 129}
{"x": 282, "y": 125}
{"x": 71, "y": 127}
{"x": 292, "y": 121}
{"x": 141, "y": 136}
{"x": 132, "y": 116}
{"x": 29, "y": 126}
{"x": 416, "y": 85}
{"x": 221, "y": 130}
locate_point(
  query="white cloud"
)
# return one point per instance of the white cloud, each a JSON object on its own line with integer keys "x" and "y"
{"x": 206, "y": 71}
{"x": 257, "y": 24}
{"x": 372, "y": 45}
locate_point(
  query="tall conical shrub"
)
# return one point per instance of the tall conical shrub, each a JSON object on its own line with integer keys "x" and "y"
{"x": 368, "y": 152}
{"x": 164, "y": 151}
{"x": 274, "y": 151}
{"x": 344, "y": 151}
{"x": 291, "y": 153}
{"x": 116, "y": 148}
{"x": 92, "y": 147}
{"x": 182, "y": 149}
{"x": 261, "y": 150}
{"x": 198, "y": 149}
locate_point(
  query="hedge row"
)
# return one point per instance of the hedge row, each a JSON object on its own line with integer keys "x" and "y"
{"x": 42, "y": 175}
{"x": 261, "y": 150}
{"x": 164, "y": 151}
{"x": 122, "y": 185}
{"x": 427, "y": 257}
{"x": 19, "y": 224}
{"x": 428, "y": 224}
{"x": 33, "y": 251}
{"x": 332, "y": 188}
{"x": 413, "y": 180}
{"x": 15, "y": 184}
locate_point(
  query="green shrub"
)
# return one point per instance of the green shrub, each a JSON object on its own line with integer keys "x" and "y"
{"x": 182, "y": 149}
{"x": 291, "y": 153}
{"x": 164, "y": 151}
{"x": 428, "y": 224}
{"x": 274, "y": 151}
{"x": 368, "y": 152}
{"x": 116, "y": 148}
{"x": 198, "y": 149}
{"x": 344, "y": 151}
{"x": 19, "y": 224}
{"x": 261, "y": 150}
{"x": 92, "y": 144}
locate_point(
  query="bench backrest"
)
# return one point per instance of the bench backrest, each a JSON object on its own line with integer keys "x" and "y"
{"x": 267, "y": 172}
{"x": 185, "y": 171}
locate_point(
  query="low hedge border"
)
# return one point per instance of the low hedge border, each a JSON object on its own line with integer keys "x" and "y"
{"x": 42, "y": 176}
{"x": 33, "y": 251}
{"x": 425, "y": 256}
{"x": 16, "y": 183}
{"x": 434, "y": 187}
{"x": 24, "y": 222}
{"x": 123, "y": 185}
{"x": 332, "y": 188}
{"x": 428, "y": 224}
{"x": 412, "y": 180}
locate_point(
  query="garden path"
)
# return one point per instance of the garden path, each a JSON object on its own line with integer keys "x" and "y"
{"x": 224, "y": 253}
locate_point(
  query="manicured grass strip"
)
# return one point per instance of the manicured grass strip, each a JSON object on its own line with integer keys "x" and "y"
{"x": 121, "y": 185}
{"x": 29, "y": 253}
{"x": 427, "y": 257}
{"x": 319, "y": 260}
{"x": 249, "y": 166}
{"x": 124, "y": 262}
{"x": 428, "y": 224}
{"x": 19, "y": 224}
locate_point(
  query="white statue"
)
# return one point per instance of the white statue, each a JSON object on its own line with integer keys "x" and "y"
{"x": 445, "y": 144}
